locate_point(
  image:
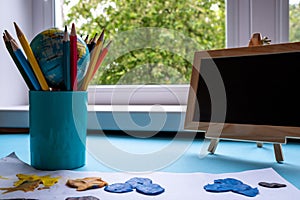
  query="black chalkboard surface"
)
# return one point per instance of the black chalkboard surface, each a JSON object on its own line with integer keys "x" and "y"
{"x": 255, "y": 93}
{"x": 260, "y": 90}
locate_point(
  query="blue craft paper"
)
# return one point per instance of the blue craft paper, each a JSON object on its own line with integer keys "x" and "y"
{"x": 233, "y": 185}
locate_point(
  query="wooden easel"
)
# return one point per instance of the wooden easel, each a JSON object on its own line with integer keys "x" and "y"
{"x": 255, "y": 40}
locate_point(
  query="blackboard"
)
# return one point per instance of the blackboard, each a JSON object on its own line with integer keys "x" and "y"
{"x": 260, "y": 87}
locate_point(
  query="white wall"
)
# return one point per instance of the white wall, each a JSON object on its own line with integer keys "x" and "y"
{"x": 32, "y": 16}
{"x": 13, "y": 90}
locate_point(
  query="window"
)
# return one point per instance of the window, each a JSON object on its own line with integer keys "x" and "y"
{"x": 144, "y": 66}
{"x": 153, "y": 41}
{"x": 269, "y": 17}
{"x": 294, "y": 6}
{"x": 160, "y": 65}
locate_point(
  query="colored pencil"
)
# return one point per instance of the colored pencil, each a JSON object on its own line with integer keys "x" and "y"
{"x": 8, "y": 36}
{"x": 73, "y": 57}
{"x": 25, "y": 64}
{"x": 17, "y": 62}
{"x": 31, "y": 58}
{"x": 66, "y": 60}
{"x": 100, "y": 59}
{"x": 92, "y": 44}
{"x": 86, "y": 39}
{"x": 94, "y": 56}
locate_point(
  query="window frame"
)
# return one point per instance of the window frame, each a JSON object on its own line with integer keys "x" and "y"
{"x": 248, "y": 16}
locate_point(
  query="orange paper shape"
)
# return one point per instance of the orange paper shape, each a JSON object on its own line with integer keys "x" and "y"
{"x": 86, "y": 183}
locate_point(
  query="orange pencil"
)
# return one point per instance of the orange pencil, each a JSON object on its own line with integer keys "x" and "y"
{"x": 100, "y": 59}
{"x": 94, "y": 56}
{"x": 73, "y": 57}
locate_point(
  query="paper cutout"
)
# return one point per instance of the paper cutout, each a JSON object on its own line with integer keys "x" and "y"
{"x": 271, "y": 185}
{"x": 47, "y": 181}
{"x": 28, "y": 183}
{"x": 25, "y": 187}
{"x": 134, "y": 182}
{"x": 119, "y": 188}
{"x": 142, "y": 185}
{"x": 86, "y": 183}
{"x": 150, "y": 189}
{"x": 231, "y": 184}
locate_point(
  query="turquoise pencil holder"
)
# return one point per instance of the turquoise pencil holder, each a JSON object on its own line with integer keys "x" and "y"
{"x": 58, "y": 126}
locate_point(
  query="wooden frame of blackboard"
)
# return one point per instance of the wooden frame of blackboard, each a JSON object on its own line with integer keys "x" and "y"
{"x": 247, "y": 132}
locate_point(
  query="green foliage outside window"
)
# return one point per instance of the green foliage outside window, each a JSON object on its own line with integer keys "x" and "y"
{"x": 175, "y": 25}
{"x": 294, "y": 22}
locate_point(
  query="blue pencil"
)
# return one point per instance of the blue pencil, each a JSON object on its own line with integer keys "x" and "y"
{"x": 66, "y": 60}
{"x": 7, "y": 37}
{"x": 25, "y": 64}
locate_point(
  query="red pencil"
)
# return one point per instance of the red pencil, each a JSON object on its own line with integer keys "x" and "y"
{"x": 74, "y": 56}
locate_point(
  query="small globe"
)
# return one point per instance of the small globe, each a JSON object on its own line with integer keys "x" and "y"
{"x": 47, "y": 48}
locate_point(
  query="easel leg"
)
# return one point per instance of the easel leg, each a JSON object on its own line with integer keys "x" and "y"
{"x": 278, "y": 152}
{"x": 259, "y": 144}
{"x": 213, "y": 145}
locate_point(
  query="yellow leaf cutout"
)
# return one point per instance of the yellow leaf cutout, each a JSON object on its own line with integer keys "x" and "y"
{"x": 47, "y": 181}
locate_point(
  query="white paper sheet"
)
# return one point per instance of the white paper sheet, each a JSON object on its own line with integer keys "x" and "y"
{"x": 181, "y": 186}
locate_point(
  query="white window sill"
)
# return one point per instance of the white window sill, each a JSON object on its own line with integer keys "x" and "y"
{"x": 138, "y": 94}
{"x": 108, "y": 117}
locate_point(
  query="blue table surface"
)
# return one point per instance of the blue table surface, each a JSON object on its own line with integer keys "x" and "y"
{"x": 230, "y": 156}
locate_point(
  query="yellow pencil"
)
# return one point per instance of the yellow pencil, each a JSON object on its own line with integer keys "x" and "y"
{"x": 30, "y": 56}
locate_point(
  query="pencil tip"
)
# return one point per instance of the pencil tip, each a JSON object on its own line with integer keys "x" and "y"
{"x": 73, "y": 30}
{"x": 18, "y": 30}
{"x": 94, "y": 38}
{"x": 15, "y": 24}
{"x": 8, "y": 36}
{"x": 66, "y": 35}
{"x": 102, "y": 35}
{"x": 4, "y": 37}
{"x": 108, "y": 44}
